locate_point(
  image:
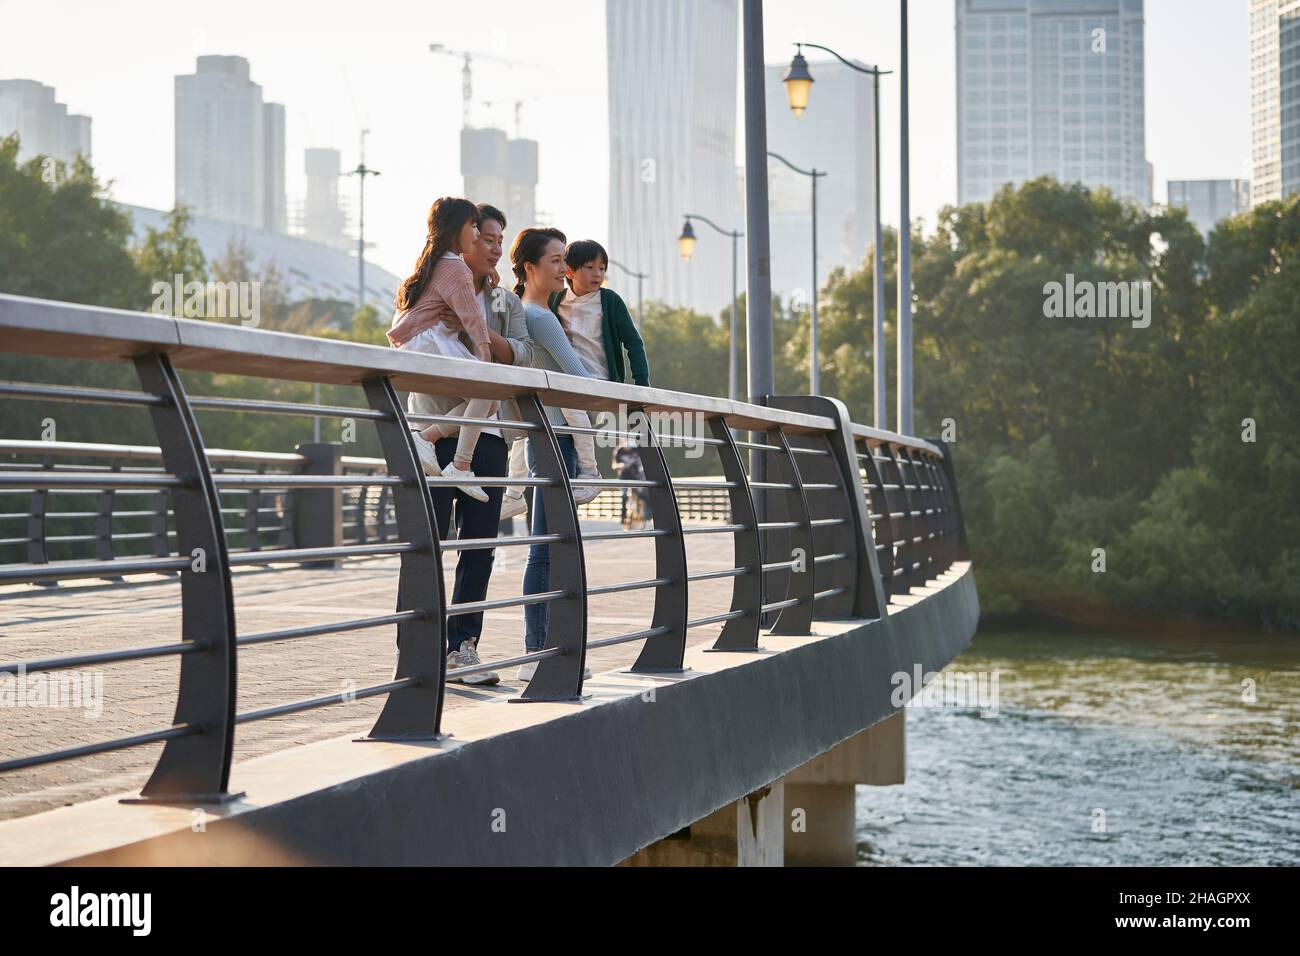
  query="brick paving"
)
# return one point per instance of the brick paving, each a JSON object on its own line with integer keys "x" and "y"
{"x": 140, "y": 696}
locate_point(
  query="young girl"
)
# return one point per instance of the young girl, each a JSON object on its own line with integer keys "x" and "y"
{"x": 441, "y": 278}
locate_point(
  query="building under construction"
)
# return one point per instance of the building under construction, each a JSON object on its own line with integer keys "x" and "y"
{"x": 501, "y": 170}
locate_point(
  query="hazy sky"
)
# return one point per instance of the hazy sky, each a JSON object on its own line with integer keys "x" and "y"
{"x": 338, "y": 67}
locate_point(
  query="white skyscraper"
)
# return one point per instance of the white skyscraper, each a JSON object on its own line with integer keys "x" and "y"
{"x": 1274, "y": 99}
{"x": 835, "y": 136}
{"x": 44, "y": 127}
{"x": 229, "y": 146}
{"x": 1051, "y": 88}
{"x": 672, "y": 145}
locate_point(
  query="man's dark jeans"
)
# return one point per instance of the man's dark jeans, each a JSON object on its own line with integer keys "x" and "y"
{"x": 474, "y": 519}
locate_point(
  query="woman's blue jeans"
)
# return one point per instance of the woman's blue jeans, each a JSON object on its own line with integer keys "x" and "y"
{"x": 537, "y": 572}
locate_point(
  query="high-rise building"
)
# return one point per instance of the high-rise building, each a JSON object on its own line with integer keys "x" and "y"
{"x": 1051, "y": 88}
{"x": 672, "y": 144}
{"x": 229, "y": 146}
{"x": 1274, "y": 99}
{"x": 44, "y": 126}
{"x": 501, "y": 171}
{"x": 322, "y": 216}
{"x": 1209, "y": 201}
{"x": 274, "y": 205}
{"x": 835, "y": 135}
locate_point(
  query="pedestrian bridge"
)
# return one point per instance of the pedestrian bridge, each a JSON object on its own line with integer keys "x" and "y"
{"x": 230, "y": 616}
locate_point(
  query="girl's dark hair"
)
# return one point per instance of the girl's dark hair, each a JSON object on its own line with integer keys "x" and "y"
{"x": 582, "y": 251}
{"x": 447, "y": 216}
{"x": 528, "y": 248}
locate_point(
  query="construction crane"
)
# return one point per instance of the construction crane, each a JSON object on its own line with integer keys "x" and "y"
{"x": 466, "y": 73}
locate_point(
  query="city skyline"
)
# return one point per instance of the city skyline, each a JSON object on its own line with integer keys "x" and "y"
{"x": 349, "y": 86}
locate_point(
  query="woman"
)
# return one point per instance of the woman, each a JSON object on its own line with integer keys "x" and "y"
{"x": 537, "y": 258}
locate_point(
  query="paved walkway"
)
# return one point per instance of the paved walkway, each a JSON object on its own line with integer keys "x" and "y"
{"x": 140, "y": 696}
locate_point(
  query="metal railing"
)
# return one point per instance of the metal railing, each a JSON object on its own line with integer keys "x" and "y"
{"x": 845, "y": 518}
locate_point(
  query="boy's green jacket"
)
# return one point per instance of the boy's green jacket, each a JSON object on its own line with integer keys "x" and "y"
{"x": 619, "y": 333}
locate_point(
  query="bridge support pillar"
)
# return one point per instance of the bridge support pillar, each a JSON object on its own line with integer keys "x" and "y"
{"x": 821, "y": 829}
{"x": 749, "y": 832}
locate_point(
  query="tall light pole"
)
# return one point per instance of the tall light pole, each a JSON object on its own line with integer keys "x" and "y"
{"x": 798, "y": 84}
{"x": 814, "y": 368}
{"x": 362, "y": 171}
{"x": 640, "y": 277}
{"x": 905, "y": 419}
{"x": 686, "y": 246}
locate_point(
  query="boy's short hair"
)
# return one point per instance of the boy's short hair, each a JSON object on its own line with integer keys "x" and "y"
{"x": 582, "y": 251}
{"x": 488, "y": 211}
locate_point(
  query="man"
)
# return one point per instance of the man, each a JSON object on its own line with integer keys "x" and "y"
{"x": 508, "y": 335}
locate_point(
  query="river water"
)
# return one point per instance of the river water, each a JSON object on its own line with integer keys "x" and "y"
{"x": 1101, "y": 750}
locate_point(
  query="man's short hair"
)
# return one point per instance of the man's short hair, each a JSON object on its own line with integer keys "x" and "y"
{"x": 488, "y": 211}
{"x": 582, "y": 251}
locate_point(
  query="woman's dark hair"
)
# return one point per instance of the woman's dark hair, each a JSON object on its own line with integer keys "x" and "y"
{"x": 447, "y": 217}
{"x": 582, "y": 251}
{"x": 528, "y": 248}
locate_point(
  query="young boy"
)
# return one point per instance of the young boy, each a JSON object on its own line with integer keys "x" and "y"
{"x": 600, "y": 329}
{"x": 596, "y": 318}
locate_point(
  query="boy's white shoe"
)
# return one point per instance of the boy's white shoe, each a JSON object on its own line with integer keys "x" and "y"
{"x": 428, "y": 455}
{"x": 584, "y": 493}
{"x": 474, "y": 491}
{"x": 513, "y": 503}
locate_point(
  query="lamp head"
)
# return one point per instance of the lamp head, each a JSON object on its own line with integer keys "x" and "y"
{"x": 798, "y": 84}
{"x": 686, "y": 241}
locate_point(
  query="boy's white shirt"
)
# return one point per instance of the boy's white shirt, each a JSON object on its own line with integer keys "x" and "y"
{"x": 585, "y": 327}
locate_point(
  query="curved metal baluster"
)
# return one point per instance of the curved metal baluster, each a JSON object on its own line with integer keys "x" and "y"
{"x": 801, "y": 581}
{"x": 740, "y": 633}
{"x": 882, "y": 528}
{"x": 195, "y": 768}
{"x": 664, "y": 652}
{"x": 558, "y": 677}
{"x": 414, "y": 712}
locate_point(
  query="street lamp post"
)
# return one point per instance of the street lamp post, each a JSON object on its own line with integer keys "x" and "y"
{"x": 640, "y": 277}
{"x": 814, "y": 370}
{"x": 361, "y": 172}
{"x": 798, "y": 84}
{"x": 686, "y": 246}
{"x": 905, "y": 422}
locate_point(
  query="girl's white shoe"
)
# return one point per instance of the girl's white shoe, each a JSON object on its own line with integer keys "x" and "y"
{"x": 428, "y": 455}
{"x": 465, "y": 475}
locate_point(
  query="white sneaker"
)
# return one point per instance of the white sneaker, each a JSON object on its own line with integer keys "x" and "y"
{"x": 512, "y": 503}
{"x": 474, "y": 491}
{"x": 467, "y": 656}
{"x": 526, "y": 671}
{"x": 428, "y": 455}
{"x": 583, "y": 493}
